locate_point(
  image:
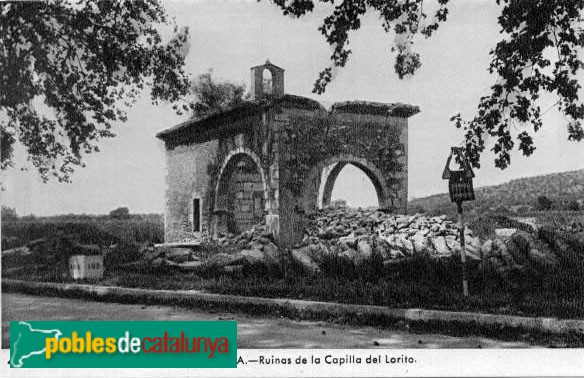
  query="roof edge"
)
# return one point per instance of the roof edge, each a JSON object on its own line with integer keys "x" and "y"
{"x": 286, "y": 101}
{"x": 300, "y": 102}
{"x": 376, "y": 108}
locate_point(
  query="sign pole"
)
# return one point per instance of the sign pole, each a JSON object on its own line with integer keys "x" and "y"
{"x": 462, "y": 249}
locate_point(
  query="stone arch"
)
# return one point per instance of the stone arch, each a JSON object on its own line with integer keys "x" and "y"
{"x": 312, "y": 183}
{"x": 329, "y": 184}
{"x": 241, "y": 192}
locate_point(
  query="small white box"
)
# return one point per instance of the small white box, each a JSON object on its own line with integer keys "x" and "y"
{"x": 86, "y": 266}
{"x": 505, "y": 233}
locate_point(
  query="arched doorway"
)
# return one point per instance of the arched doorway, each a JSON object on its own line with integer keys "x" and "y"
{"x": 267, "y": 82}
{"x": 240, "y": 194}
{"x": 318, "y": 185}
{"x": 346, "y": 184}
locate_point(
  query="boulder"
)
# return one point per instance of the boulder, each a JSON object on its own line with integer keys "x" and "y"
{"x": 382, "y": 248}
{"x": 451, "y": 242}
{"x": 158, "y": 262}
{"x": 472, "y": 241}
{"x": 440, "y": 245}
{"x": 253, "y": 256}
{"x": 224, "y": 259}
{"x": 178, "y": 255}
{"x": 393, "y": 241}
{"x": 302, "y": 257}
{"x": 316, "y": 251}
{"x": 470, "y": 257}
{"x": 350, "y": 241}
{"x": 255, "y": 245}
{"x": 364, "y": 249}
{"x": 397, "y": 254}
{"x": 472, "y": 249}
{"x": 152, "y": 253}
{"x": 272, "y": 253}
{"x": 408, "y": 246}
{"x": 353, "y": 255}
{"x": 328, "y": 234}
{"x": 487, "y": 248}
{"x": 420, "y": 242}
{"x": 471, "y": 254}
{"x": 519, "y": 245}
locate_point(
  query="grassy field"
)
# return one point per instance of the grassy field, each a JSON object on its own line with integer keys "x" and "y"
{"x": 97, "y": 231}
{"x": 416, "y": 283}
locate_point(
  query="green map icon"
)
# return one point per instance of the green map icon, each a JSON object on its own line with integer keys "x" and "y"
{"x": 28, "y": 343}
{"x": 31, "y": 340}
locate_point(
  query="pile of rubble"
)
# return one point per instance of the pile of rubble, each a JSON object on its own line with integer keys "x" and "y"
{"x": 394, "y": 236}
{"x": 573, "y": 228}
{"x": 229, "y": 252}
{"x": 360, "y": 234}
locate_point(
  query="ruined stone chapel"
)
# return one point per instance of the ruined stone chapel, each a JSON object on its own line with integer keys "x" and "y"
{"x": 275, "y": 159}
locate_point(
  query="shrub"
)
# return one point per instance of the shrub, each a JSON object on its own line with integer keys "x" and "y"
{"x": 8, "y": 214}
{"x": 573, "y": 206}
{"x": 544, "y": 203}
{"x": 120, "y": 213}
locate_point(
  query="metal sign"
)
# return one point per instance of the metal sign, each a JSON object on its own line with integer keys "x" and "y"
{"x": 460, "y": 189}
{"x": 460, "y": 181}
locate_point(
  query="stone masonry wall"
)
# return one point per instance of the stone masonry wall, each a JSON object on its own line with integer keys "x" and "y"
{"x": 313, "y": 140}
{"x": 279, "y": 183}
{"x": 246, "y": 191}
{"x": 196, "y": 169}
{"x": 187, "y": 178}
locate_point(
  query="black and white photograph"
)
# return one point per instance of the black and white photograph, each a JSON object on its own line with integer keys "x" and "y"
{"x": 362, "y": 180}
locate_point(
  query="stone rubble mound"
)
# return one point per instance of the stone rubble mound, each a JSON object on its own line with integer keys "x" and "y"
{"x": 360, "y": 235}
{"x": 573, "y": 228}
{"x": 251, "y": 247}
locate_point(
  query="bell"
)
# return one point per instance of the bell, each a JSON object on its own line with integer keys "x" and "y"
{"x": 459, "y": 181}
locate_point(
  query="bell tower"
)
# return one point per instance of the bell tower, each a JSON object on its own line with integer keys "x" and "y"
{"x": 267, "y": 81}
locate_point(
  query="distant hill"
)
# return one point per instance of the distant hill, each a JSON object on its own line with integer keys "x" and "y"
{"x": 517, "y": 195}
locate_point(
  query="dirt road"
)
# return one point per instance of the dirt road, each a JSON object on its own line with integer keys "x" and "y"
{"x": 252, "y": 332}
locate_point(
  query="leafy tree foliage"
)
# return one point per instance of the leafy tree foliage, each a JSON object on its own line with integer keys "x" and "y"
{"x": 538, "y": 54}
{"x": 544, "y": 203}
{"x": 68, "y": 71}
{"x": 212, "y": 96}
{"x": 573, "y": 206}
{"x": 8, "y": 213}
{"x": 120, "y": 213}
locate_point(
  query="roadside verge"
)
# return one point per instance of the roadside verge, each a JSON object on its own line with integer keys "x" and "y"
{"x": 429, "y": 320}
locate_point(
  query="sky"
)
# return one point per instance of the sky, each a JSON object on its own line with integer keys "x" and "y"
{"x": 232, "y": 36}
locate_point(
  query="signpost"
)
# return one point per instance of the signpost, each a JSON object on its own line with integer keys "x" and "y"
{"x": 460, "y": 190}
